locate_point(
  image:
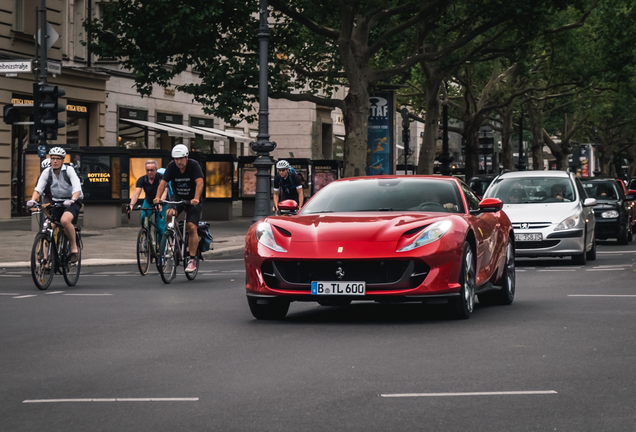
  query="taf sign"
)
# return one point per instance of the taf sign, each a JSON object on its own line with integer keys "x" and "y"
{"x": 17, "y": 66}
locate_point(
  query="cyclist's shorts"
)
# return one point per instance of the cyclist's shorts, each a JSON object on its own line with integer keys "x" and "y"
{"x": 193, "y": 213}
{"x": 74, "y": 209}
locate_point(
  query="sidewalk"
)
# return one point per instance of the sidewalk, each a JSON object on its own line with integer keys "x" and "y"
{"x": 111, "y": 246}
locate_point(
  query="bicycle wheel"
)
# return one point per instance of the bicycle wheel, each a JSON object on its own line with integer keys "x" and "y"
{"x": 71, "y": 270}
{"x": 143, "y": 252}
{"x": 42, "y": 262}
{"x": 166, "y": 263}
{"x": 192, "y": 275}
{"x": 62, "y": 251}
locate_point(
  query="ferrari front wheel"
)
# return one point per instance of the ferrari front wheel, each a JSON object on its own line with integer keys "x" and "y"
{"x": 462, "y": 307}
{"x": 268, "y": 309}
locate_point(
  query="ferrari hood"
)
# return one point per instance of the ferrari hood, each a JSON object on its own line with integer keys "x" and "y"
{"x": 371, "y": 227}
{"x": 549, "y": 212}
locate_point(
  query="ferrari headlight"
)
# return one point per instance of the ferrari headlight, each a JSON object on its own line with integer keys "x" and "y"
{"x": 569, "y": 223}
{"x": 612, "y": 214}
{"x": 432, "y": 233}
{"x": 265, "y": 236}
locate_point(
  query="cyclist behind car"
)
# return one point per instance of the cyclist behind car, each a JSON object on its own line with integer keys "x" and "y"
{"x": 150, "y": 183}
{"x": 287, "y": 185}
{"x": 66, "y": 188}
{"x": 187, "y": 181}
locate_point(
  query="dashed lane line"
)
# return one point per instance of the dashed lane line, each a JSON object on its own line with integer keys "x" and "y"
{"x": 34, "y": 401}
{"x": 502, "y": 393}
{"x": 601, "y": 295}
{"x": 25, "y": 296}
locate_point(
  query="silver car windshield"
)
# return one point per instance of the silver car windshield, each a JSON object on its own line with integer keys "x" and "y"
{"x": 532, "y": 190}
{"x": 391, "y": 194}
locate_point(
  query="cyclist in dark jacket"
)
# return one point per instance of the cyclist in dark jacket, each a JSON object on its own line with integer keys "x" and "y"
{"x": 287, "y": 185}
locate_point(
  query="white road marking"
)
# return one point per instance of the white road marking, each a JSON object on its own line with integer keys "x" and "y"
{"x": 503, "y": 393}
{"x": 601, "y": 295}
{"x": 612, "y": 266}
{"x": 25, "y": 296}
{"x": 616, "y": 253}
{"x": 559, "y": 270}
{"x": 88, "y": 294}
{"x": 54, "y": 292}
{"x": 8, "y": 275}
{"x": 10, "y": 294}
{"x": 112, "y": 400}
{"x": 605, "y": 269}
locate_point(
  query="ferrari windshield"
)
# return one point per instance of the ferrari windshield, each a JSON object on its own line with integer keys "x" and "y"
{"x": 601, "y": 190}
{"x": 532, "y": 190}
{"x": 391, "y": 194}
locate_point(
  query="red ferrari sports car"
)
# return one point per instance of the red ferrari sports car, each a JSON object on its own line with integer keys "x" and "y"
{"x": 390, "y": 238}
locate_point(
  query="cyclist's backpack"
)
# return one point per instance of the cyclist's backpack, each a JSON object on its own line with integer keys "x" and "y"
{"x": 205, "y": 238}
{"x": 66, "y": 177}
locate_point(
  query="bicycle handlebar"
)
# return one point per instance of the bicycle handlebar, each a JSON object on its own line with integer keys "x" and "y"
{"x": 138, "y": 207}
{"x": 184, "y": 202}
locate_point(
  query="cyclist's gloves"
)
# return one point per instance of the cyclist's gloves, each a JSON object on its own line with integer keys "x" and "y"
{"x": 31, "y": 203}
{"x": 68, "y": 203}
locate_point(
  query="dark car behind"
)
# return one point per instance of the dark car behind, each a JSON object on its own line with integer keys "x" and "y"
{"x": 613, "y": 210}
{"x": 480, "y": 183}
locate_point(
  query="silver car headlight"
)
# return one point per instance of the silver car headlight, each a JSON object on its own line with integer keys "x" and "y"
{"x": 265, "y": 236}
{"x": 569, "y": 223}
{"x": 432, "y": 233}
{"x": 612, "y": 214}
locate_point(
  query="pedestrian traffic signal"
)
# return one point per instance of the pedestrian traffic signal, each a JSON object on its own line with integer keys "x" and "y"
{"x": 10, "y": 114}
{"x": 46, "y": 108}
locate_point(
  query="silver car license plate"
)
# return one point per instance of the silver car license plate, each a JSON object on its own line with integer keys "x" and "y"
{"x": 338, "y": 288}
{"x": 529, "y": 237}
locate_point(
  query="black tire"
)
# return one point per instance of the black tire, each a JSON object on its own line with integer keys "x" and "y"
{"x": 143, "y": 252}
{"x": 41, "y": 276}
{"x": 591, "y": 255}
{"x": 462, "y": 307}
{"x": 193, "y": 275}
{"x": 581, "y": 259}
{"x": 506, "y": 295}
{"x": 166, "y": 260}
{"x": 71, "y": 271}
{"x": 268, "y": 309}
{"x": 623, "y": 238}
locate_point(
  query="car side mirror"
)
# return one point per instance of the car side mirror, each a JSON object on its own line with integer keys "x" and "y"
{"x": 289, "y": 206}
{"x": 589, "y": 202}
{"x": 490, "y": 205}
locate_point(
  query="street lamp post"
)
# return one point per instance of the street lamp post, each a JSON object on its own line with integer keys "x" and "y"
{"x": 597, "y": 166}
{"x": 445, "y": 158}
{"x": 262, "y": 146}
{"x": 521, "y": 163}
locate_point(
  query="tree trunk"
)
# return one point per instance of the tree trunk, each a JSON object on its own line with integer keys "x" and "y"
{"x": 471, "y": 143}
{"x": 356, "y": 117}
{"x": 506, "y": 135}
{"x": 536, "y": 128}
{"x": 431, "y": 128}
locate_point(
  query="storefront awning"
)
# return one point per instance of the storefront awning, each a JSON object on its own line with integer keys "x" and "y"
{"x": 205, "y": 134}
{"x": 170, "y": 130}
{"x": 238, "y": 138}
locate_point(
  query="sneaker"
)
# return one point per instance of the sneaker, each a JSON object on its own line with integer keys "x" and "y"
{"x": 192, "y": 266}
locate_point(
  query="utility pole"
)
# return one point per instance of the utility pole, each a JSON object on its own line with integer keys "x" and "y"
{"x": 521, "y": 163}
{"x": 446, "y": 158}
{"x": 406, "y": 137}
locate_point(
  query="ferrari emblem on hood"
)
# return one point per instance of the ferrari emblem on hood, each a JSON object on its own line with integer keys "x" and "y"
{"x": 340, "y": 273}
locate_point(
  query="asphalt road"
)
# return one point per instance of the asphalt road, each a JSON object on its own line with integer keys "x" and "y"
{"x": 121, "y": 352}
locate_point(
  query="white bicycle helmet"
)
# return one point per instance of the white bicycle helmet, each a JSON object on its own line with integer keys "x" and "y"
{"x": 282, "y": 164}
{"x": 46, "y": 163}
{"x": 57, "y": 151}
{"x": 179, "y": 151}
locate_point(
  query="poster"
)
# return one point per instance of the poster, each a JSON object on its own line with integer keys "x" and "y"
{"x": 323, "y": 176}
{"x": 218, "y": 180}
{"x": 248, "y": 182}
{"x": 380, "y": 134}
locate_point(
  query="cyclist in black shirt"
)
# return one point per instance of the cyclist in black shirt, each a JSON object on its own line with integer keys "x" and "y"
{"x": 149, "y": 183}
{"x": 287, "y": 185}
{"x": 187, "y": 182}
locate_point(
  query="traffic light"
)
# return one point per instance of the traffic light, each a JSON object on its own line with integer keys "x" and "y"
{"x": 46, "y": 108}
{"x": 10, "y": 114}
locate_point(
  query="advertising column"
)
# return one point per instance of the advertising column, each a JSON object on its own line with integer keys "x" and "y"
{"x": 380, "y": 134}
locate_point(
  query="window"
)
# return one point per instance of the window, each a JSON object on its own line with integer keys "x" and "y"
{"x": 77, "y": 116}
{"x": 199, "y": 143}
{"x": 471, "y": 199}
{"x": 79, "y": 15}
{"x": 24, "y": 20}
{"x": 132, "y": 136}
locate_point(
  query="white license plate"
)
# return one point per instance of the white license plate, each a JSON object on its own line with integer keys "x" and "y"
{"x": 338, "y": 288}
{"x": 529, "y": 237}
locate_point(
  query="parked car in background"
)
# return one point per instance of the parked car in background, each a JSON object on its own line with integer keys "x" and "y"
{"x": 480, "y": 183}
{"x": 632, "y": 204}
{"x": 422, "y": 239}
{"x": 613, "y": 209}
{"x": 550, "y": 213}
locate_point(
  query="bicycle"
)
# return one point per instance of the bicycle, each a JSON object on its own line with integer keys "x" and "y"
{"x": 146, "y": 239}
{"x": 51, "y": 250}
{"x": 174, "y": 249}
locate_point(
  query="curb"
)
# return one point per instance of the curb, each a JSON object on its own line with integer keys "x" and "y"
{"x": 108, "y": 262}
